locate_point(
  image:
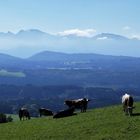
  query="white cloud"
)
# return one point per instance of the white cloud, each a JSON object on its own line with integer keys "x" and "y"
{"x": 102, "y": 38}
{"x": 126, "y": 28}
{"x": 135, "y": 36}
{"x": 78, "y": 32}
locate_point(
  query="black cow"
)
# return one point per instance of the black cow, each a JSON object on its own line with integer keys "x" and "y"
{"x": 64, "y": 113}
{"x": 24, "y": 114}
{"x": 127, "y": 102}
{"x": 45, "y": 112}
{"x": 79, "y": 104}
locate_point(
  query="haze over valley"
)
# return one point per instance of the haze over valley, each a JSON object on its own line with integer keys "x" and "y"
{"x": 69, "y": 41}
{"x": 48, "y": 78}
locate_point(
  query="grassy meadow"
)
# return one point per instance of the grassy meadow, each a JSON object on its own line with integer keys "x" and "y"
{"x": 107, "y": 123}
{"x": 5, "y": 73}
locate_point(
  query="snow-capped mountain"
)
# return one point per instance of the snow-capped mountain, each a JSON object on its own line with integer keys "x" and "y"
{"x": 31, "y": 41}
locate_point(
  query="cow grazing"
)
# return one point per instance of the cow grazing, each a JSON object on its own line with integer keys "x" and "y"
{"x": 78, "y": 104}
{"x": 45, "y": 112}
{"x": 64, "y": 113}
{"x": 127, "y": 102}
{"x": 24, "y": 114}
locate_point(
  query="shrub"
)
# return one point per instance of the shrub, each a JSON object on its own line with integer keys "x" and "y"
{"x": 9, "y": 119}
{"x": 4, "y": 118}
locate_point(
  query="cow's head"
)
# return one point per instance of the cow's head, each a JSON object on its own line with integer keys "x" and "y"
{"x": 87, "y": 100}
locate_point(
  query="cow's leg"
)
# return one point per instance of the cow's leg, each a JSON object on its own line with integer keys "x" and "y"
{"x": 126, "y": 111}
{"x": 124, "y": 107}
{"x": 85, "y": 108}
{"x": 82, "y": 109}
{"x": 130, "y": 111}
{"x": 40, "y": 113}
{"x": 20, "y": 118}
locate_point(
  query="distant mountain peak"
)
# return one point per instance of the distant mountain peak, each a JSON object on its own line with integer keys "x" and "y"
{"x": 34, "y": 40}
{"x": 9, "y": 32}
{"x": 31, "y": 34}
{"x": 3, "y": 34}
{"x": 48, "y": 55}
{"x": 31, "y": 31}
{"x": 36, "y": 30}
{"x": 4, "y": 57}
{"x": 110, "y": 36}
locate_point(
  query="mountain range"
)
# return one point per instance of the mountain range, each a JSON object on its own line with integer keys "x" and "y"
{"x": 37, "y": 33}
{"x": 48, "y": 77}
{"x": 50, "y": 59}
{"x": 28, "y": 42}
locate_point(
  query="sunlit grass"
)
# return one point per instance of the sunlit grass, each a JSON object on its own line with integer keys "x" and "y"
{"x": 99, "y": 124}
{"x": 6, "y": 73}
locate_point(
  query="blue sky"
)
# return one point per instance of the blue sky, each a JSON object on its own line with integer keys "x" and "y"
{"x": 84, "y": 18}
{"x": 115, "y": 16}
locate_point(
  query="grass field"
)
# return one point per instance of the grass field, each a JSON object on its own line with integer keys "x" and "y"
{"x": 108, "y": 123}
{"x": 5, "y": 73}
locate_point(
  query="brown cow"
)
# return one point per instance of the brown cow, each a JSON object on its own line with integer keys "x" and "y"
{"x": 45, "y": 112}
{"x": 24, "y": 114}
{"x": 79, "y": 104}
{"x": 127, "y": 102}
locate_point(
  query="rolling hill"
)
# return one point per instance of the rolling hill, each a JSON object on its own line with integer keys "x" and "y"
{"x": 50, "y": 77}
{"x": 6, "y": 59}
{"x": 99, "y": 124}
{"x": 78, "y": 69}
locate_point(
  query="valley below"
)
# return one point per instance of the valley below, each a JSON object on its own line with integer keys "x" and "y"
{"x": 47, "y": 79}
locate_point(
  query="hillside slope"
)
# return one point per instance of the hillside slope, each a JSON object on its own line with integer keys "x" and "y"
{"x": 100, "y": 124}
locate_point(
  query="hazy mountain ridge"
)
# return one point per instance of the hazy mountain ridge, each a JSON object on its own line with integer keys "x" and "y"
{"x": 35, "y": 40}
{"x": 37, "y": 32}
{"x": 53, "y": 68}
{"x": 50, "y": 56}
{"x": 64, "y": 60}
{"x": 110, "y": 36}
{"x": 48, "y": 78}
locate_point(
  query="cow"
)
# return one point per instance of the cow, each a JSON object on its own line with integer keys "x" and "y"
{"x": 24, "y": 114}
{"x": 45, "y": 112}
{"x": 64, "y": 113}
{"x": 78, "y": 104}
{"x": 127, "y": 102}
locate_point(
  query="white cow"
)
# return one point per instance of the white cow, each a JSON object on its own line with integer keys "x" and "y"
{"x": 127, "y": 102}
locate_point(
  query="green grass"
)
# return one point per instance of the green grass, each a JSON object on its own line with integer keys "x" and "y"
{"x": 6, "y": 73}
{"x": 99, "y": 124}
{"x": 15, "y": 117}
